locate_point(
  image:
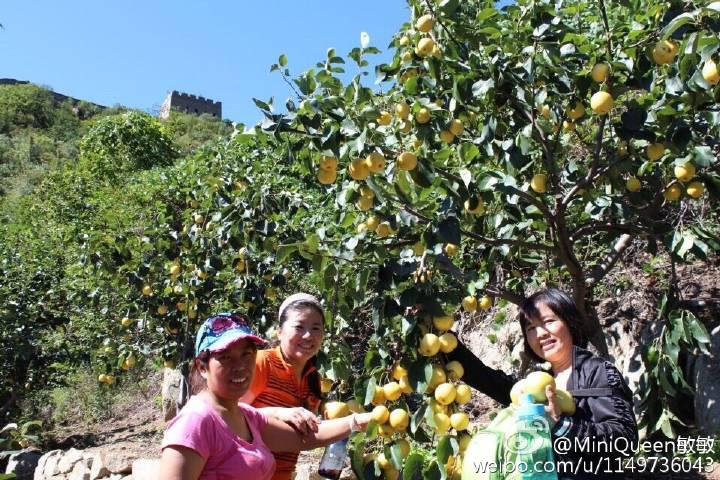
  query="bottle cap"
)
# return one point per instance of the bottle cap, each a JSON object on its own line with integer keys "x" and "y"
{"x": 528, "y": 407}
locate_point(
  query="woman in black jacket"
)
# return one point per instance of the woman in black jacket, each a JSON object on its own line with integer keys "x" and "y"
{"x": 603, "y": 429}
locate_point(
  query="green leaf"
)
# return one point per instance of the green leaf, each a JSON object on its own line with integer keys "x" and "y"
{"x": 283, "y": 60}
{"x": 413, "y": 465}
{"x": 678, "y": 22}
{"x": 444, "y": 449}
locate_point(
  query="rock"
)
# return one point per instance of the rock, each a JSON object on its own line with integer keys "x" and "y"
{"x": 68, "y": 460}
{"x": 707, "y": 406}
{"x": 47, "y": 466}
{"x": 170, "y": 391}
{"x": 118, "y": 462}
{"x": 23, "y": 463}
{"x": 81, "y": 470}
{"x": 99, "y": 468}
{"x": 146, "y": 469}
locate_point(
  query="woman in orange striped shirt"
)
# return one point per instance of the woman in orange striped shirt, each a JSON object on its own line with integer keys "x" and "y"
{"x": 286, "y": 384}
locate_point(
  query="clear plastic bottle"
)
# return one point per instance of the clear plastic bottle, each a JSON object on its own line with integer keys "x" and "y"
{"x": 333, "y": 460}
{"x": 535, "y": 459}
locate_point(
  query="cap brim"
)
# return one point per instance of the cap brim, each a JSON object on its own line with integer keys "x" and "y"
{"x": 233, "y": 336}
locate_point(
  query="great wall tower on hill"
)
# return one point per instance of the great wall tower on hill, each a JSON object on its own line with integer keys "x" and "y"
{"x": 187, "y": 103}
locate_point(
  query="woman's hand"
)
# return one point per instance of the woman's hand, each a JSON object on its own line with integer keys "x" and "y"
{"x": 552, "y": 408}
{"x": 301, "y": 419}
{"x": 362, "y": 420}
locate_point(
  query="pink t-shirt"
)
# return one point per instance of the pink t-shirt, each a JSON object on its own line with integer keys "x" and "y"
{"x": 227, "y": 456}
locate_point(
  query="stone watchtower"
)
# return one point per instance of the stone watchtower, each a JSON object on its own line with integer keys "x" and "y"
{"x": 186, "y": 103}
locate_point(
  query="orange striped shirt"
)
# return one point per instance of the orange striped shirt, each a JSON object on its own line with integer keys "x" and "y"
{"x": 275, "y": 385}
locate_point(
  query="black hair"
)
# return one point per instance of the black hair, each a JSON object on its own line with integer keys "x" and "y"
{"x": 563, "y": 306}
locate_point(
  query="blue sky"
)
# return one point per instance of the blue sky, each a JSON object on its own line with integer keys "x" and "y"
{"x": 132, "y": 52}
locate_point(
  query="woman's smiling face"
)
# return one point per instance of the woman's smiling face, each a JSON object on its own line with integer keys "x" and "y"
{"x": 549, "y": 336}
{"x": 229, "y": 372}
{"x": 301, "y": 334}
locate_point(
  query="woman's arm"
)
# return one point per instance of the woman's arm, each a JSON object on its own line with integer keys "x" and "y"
{"x": 281, "y": 437}
{"x": 494, "y": 383}
{"x": 301, "y": 419}
{"x": 180, "y": 463}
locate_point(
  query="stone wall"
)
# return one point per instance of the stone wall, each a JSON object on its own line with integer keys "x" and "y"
{"x": 187, "y": 103}
{"x": 93, "y": 464}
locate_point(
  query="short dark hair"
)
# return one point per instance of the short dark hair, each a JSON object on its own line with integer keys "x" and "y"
{"x": 563, "y": 306}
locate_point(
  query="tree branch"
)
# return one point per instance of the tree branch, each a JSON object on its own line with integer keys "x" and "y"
{"x": 593, "y": 166}
{"x": 512, "y": 297}
{"x": 508, "y": 241}
{"x": 602, "y": 268}
{"x": 534, "y": 201}
{"x": 594, "y": 226}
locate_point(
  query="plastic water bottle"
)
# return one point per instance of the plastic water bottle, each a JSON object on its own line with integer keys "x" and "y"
{"x": 333, "y": 460}
{"x": 533, "y": 445}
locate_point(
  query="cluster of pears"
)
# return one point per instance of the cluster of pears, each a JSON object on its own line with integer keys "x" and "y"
{"x": 684, "y": 173}
{"x": 381, "y": 228}
{"x": 445, "y": 394}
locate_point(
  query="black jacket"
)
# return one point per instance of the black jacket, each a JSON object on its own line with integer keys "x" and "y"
{"x": 604, "y": 412}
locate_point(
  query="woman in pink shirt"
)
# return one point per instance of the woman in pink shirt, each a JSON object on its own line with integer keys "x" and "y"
{"x": 215, "y": 436}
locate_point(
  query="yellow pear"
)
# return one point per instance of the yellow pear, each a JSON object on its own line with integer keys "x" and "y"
{"x": 451, "y": 249}
{"x": 459, "y": 421}
{"x": 684, "y": 172}
{"x": 328, "y": 162}
{"x": 447, "y": 137}
{"x": 399, "y": 419}
{"x": 485, "y": 302}
{"x": 425, "y": 23}
{"x": 392, "y": 391}
{"x": 384, "y": 118}
{"x": 577, "y": 111}
{"x": 407, "y": 161}
{"x": 375, "y": 162}
{"x": 336, "y": 410}
{"x": 364, "y": 203}
{"x": 358, "y": 169}
{"x": 429, "y": 345}
{"x": 456, "y": 127}
{"x": 444, "y": 322}
{"x": 442, "y": 422}
{"x": 535, "y": 384}
{"x": 539, "y": 183}
{"x": 398, "y": 371}
{"x": 601, "y": 103}
{"x": 710, "y": 72}
{"x": 462, "y": 394}
{"x": 479, "y": 207}
{"x": 445, "y": 393}
{"x": 565, "y": 401}
{"x": 600, "y": 72}
{"x": 380, "y": 414}
{"x": 384, "y": 230}
{"x": 425, "y": 47}
{"x": 402, "y": 110}
{"x": 664, "y": 52}
{"x": 632, "y": 184}
{"x": 469, "y": 303}
{"x": 327, "y": 177}
{"x": 455, "y": 370}
{"x": 695, "y": 190}
{"x": 448, "y": 342}
{"x": 422, "y": 116}
{"x": 655, "y": 151}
